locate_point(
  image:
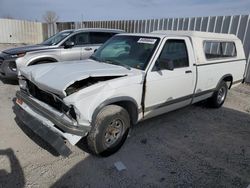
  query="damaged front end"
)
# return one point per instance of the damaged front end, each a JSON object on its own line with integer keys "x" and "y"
{"x": 51, "y": 115}
{"x": 61, "y": 120}
{"x": 81, "y": 84}
{"x": 47, "y": 116}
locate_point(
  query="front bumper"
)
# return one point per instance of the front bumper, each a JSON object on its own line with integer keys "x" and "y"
{"x": 50, "y": 137}
{"x": 58, "y": 120}
{"x": 51, "y": 127}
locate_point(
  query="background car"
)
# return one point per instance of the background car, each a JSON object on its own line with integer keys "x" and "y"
{"x": 64, "y": 46}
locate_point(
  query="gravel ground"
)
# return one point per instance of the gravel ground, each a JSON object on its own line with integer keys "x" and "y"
{"x": 190, "y": 147}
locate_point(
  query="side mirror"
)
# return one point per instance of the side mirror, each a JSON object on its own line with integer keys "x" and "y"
{"x": 165, "y": 64}
{"x": 69, "y": 44}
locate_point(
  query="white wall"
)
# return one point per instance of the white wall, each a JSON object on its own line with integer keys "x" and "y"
{"x": 20, "y": 31}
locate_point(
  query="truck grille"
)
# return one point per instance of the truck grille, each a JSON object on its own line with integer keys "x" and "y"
{"x": 46, "y": 97}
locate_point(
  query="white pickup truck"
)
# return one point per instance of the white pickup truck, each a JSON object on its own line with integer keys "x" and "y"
{"x": 130, "y": 78}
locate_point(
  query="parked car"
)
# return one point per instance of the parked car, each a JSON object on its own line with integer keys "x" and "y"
{"x": 130, "y": 78}
{"x": 64, "y": 46}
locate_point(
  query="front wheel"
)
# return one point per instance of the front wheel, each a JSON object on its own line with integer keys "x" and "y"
{"x": 219, "y": 96}
{"x": 109, "y": 130}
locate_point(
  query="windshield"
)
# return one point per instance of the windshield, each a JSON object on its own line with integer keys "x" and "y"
{"x": 127, "y": 51}
{"x": 55, "y": 39}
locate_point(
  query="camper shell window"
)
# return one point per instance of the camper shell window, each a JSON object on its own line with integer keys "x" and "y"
{"x": 219, "y": 49}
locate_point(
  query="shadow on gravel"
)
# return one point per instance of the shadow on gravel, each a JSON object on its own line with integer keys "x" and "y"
{"x": 7, "y": 81}
{"x": 14, "y": 178}
{"x": 191, "y": 147}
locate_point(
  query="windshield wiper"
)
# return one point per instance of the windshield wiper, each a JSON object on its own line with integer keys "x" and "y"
{"x": 117, "y": 63}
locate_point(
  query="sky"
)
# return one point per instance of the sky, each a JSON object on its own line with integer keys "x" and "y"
{"x": 77, "y": 10}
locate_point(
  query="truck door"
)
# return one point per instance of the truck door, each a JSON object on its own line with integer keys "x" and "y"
{"x": 167, "y": 89}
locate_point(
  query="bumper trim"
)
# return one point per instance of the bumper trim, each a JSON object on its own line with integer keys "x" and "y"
{"x": 50, "y": 137}
{"x": 54, "y": 118}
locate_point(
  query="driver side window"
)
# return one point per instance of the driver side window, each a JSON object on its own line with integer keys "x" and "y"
{"x": 174, "y": 51}
{"x": 79, "y": 39}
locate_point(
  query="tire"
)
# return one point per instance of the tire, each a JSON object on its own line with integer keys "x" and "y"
{"x": 219, "y": 96}
{"x": 109, "y": 130}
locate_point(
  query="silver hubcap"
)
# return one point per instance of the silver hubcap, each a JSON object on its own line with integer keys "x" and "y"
{"x": 221, "y": 95}
{"x": 113, "y": 132}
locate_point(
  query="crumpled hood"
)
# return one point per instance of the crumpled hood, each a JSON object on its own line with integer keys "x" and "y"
{"x": 56, "y": 77}
{"x": 28, "y": 48}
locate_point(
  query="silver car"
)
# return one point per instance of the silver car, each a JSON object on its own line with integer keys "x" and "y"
{"x": 64, "y": 46}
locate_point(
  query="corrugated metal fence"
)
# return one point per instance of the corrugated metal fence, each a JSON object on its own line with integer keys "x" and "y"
{"x": 20, "y": 31}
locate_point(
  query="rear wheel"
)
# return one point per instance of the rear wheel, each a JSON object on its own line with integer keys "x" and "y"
{"x": 219, "y": 96}
{"x": 109, "y": 130}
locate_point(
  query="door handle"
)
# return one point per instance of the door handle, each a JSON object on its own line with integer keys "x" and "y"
{"x": 188, "y": 71}
{"x": 87, "y": 49}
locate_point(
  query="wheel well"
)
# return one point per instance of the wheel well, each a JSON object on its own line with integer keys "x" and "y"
{"x": 229, "y": 79}
{"x": 48, "y": 59}
{"x": 131, "y": 108}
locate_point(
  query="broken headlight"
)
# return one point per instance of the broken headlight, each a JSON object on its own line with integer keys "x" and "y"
{"x": 74, "y": 113}
{"x": 71, "y": 112}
